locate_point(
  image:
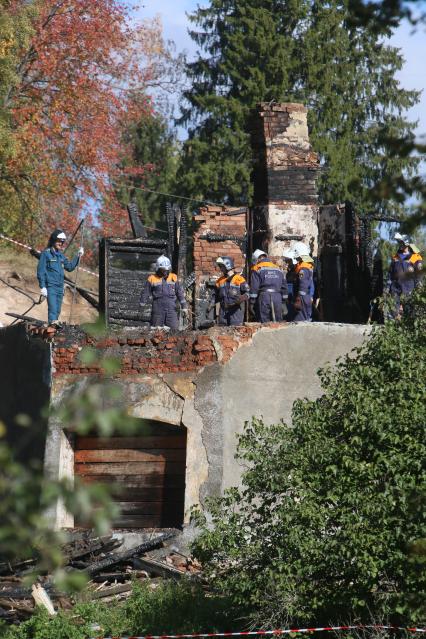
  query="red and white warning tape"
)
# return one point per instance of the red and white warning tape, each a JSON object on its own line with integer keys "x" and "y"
{"x": 30, "y": 248}
{"x": 286, "y": 631}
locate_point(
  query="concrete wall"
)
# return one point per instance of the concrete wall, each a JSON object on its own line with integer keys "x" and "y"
{"x": 262, "y": 377}
{"x": 279, "y": 367}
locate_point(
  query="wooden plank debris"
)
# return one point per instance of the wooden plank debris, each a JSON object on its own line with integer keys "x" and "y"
{"x": 112, "y": 573}
{"x": 41, "y": 598}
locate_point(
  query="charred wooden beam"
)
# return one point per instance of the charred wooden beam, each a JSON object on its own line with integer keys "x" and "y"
{"x": 289, "y": 237}
{"x": 155, "y": 243}
{"x": 135, "y": 221}
{"x": 134, "y": 249}
{"x": 26, "y": 318}
{"x": 116, "y": 558}
{"x": 171, "y": 227}
{"x": 241, "y": 240}
{"x": 183, "y": 244}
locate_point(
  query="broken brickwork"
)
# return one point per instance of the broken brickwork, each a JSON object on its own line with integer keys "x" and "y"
{"x": 285, "y": 171}
{"x": 150, "y": 353}
{"x": 218, "y": 231}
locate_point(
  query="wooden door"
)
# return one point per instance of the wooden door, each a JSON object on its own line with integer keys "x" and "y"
{"x": 146, "y": 474}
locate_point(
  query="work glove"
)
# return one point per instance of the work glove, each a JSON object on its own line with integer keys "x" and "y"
{"x": 185, "y": 311}
{"x": 284, "y": 307}
{"x": 81, "y": 251}
{"x": 43, "y": 291}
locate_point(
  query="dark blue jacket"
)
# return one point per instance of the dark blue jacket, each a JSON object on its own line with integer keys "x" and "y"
{"x": 50, "y": 270}
{"x": 405, "y": 273}
{"x": 267, "y": 277}
{"x": 230, "y": 290}
{"x": 165, "y": 290}
{"x": 305, "y": 278}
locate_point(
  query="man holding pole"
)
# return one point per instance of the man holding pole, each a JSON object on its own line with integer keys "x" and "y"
{"x": 50, "y": 273}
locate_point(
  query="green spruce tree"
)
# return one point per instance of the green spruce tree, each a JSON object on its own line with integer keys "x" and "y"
{"x": 294, "y": 50}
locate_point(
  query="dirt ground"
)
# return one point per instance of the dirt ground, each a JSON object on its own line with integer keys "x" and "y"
{"x": 18, "y": 268}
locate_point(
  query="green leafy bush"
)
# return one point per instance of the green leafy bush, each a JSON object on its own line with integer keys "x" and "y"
{"x": 324, "y": 527}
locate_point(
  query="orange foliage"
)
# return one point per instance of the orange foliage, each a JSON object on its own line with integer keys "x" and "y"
{"x": 81, "y": 82}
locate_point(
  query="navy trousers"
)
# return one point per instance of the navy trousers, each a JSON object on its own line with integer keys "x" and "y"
{"x": 265, "y": 302}
{"x": 164, "y": 314}
{"x": 232, "y": 316}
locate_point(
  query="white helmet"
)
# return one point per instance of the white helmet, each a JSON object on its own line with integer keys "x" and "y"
{"x": 414, "y": 248}
{"x": 257, "y": 254}
{"x": 163, "y": 262}
{"x": 401, "y": 238}
{"x": 288, "y": 254}
{"x": 225, "y": 261}
{"x": 300, "y": 250}
{"x": 61, "y": 236}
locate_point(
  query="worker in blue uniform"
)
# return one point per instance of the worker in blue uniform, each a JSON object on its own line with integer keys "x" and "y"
{"x": 291, "y": 277}
{"x": 165, "y": 289}
{"x": 231, "y": 292}
{"x": 268, "y": 289}
{"x": 303, "y": 284}
{"x": 50, "y": 273}
{"x": 404, "y": 273}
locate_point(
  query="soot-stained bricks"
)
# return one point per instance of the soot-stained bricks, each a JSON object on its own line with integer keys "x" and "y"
{"x": 218, "y": 231}
{"x": 150, "y": 352}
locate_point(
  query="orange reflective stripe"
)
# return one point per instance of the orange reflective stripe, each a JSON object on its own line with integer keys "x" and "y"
{"x": 155, "y": 279}
{"x": 257, "y": 267}
{"x": 301, "y": 265}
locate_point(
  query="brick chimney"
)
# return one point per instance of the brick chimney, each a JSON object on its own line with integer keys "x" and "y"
{"x": 285, "y": 169}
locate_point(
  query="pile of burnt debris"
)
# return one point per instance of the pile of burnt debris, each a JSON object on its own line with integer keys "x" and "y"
{"x": 111, "y": 572}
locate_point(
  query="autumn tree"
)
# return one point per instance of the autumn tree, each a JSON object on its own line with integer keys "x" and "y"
{"x": 76, "y": 74}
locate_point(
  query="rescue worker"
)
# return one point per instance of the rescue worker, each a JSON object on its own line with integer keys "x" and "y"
{"x": 405, "y": 272}
{"x": 164, "y": 288}
{"x": 231, "y": 293}
{"x": 303, "y": 284}
{"x": 291, "y": 276}
{"x": 268, "y": 289}
{"x": 50, "y": 273}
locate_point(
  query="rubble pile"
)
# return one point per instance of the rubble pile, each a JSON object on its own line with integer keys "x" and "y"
{"x": 111, "y": 572}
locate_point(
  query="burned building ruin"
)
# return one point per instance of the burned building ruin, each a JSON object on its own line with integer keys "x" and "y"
{"x": 193, "y": 390}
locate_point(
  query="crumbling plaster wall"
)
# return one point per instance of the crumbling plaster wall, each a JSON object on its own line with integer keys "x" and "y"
{"x": 260, "y": 376}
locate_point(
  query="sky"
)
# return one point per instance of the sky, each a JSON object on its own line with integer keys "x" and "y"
{"x": 413, "y": 46}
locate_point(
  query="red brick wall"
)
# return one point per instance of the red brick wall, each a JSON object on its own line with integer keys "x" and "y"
{"x": 150, "y": 352}
{"x": 213, "y": 219}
